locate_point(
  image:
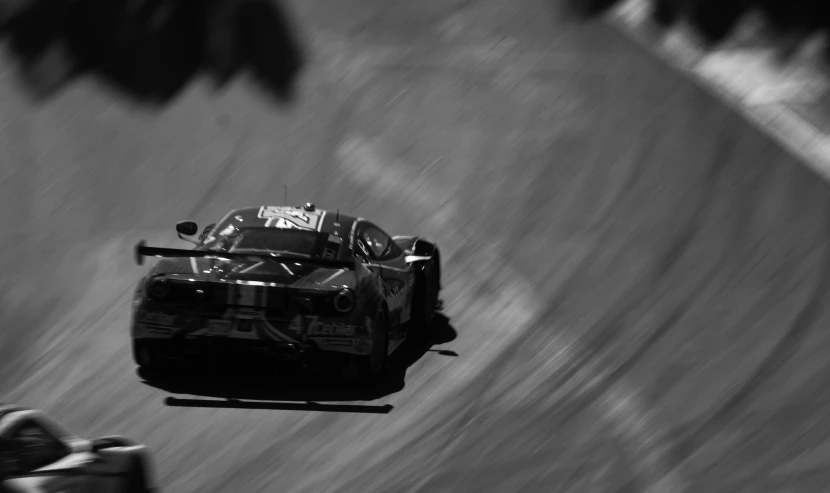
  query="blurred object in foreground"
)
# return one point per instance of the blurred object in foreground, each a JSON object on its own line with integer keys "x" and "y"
{"x": 788, "y": 24}
{"x": 150, "y": 49}
{"x": 38, "y": 454}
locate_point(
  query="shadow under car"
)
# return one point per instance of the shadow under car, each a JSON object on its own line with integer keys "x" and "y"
{"x": 249, "y": 385}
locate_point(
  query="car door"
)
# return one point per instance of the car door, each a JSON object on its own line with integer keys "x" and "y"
{"x": 33, "y": 459}
{"x": 396, "y": 273}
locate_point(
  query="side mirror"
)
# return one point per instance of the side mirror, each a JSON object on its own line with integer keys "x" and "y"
{"x": 187, "y": 228}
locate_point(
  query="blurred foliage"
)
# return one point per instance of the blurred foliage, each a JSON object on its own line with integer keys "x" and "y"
{"x": 787, "y": 21}
{"x": 150, "y": 49}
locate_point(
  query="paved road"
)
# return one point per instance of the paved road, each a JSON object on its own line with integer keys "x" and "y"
{"x": 635, "y": 279}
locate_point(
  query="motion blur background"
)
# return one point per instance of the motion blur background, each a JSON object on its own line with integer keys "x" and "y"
{"x": 636, "y": 252}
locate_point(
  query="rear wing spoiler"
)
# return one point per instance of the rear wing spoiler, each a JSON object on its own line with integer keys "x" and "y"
{"x": 142, "y": 250}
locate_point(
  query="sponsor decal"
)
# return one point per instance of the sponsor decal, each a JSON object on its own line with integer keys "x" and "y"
{"x": 312, "y": 326}
{"x": 363, "y": 248}
{"x": 269, "y": 212}
{"x": 284, "y": 224}
{"x": 351, "y": 235}
{"x": 333, "y": 329}
{"x": 155, "y": 318}
{"x": 288, "y": 218}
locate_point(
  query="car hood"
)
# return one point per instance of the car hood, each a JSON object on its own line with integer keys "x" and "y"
{"x": 285, "y": 273}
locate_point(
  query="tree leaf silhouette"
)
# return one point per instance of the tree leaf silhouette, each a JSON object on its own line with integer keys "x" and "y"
{"x": 150, "y": 49}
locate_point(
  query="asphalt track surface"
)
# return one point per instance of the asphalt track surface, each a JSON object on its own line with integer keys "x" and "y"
{"x": 635, "y": 279}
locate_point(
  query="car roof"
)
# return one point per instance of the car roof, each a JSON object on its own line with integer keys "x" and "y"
{"x": 302, "y": 217}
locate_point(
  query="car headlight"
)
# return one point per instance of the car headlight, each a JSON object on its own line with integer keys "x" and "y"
{"x": 344, "y": 301}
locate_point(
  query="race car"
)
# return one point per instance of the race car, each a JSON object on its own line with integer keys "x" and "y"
{"x": 37, "y": 454}
{"x": 287, "y": 283}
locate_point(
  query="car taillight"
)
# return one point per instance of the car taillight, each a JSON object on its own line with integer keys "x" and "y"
{"x": 158, "y": 287}
{"x": 344, "y": 301}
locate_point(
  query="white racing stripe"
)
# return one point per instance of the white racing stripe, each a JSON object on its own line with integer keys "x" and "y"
{"x": 329, "y": 279}
{"x": 320, "y": 221}
{"x": 248, "y": 269}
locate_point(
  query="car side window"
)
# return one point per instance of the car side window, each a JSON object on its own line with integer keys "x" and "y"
{"x": 30, "y": 447}
{"x": 379, "y": 242}
{"x": 373, "y": 240}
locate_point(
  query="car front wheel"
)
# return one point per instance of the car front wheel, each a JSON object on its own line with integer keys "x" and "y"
{"x": 425, "y": 301}
{"x": 147, "y": 355}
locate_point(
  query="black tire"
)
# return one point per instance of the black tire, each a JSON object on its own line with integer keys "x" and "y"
{"x": 142, "y": 353}
{"x": 147, "y": 355}
{"x": 372, "y": 367}
{"x": 425, "y": 301}
{"x": 136, "y": 480}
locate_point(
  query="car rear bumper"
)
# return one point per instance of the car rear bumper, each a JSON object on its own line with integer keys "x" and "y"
{"x": 188, "y": 345}
{"x": 244, "y": 330}
{"x": 181, "y": 348}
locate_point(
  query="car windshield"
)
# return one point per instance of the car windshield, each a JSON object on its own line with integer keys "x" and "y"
{"x": 263, "y": 239}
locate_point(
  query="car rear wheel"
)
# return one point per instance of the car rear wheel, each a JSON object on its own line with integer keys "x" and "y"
{"x": 142, "y": 353}
{"x": 147, "y": 355}
{"x": 373, "y": 365}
